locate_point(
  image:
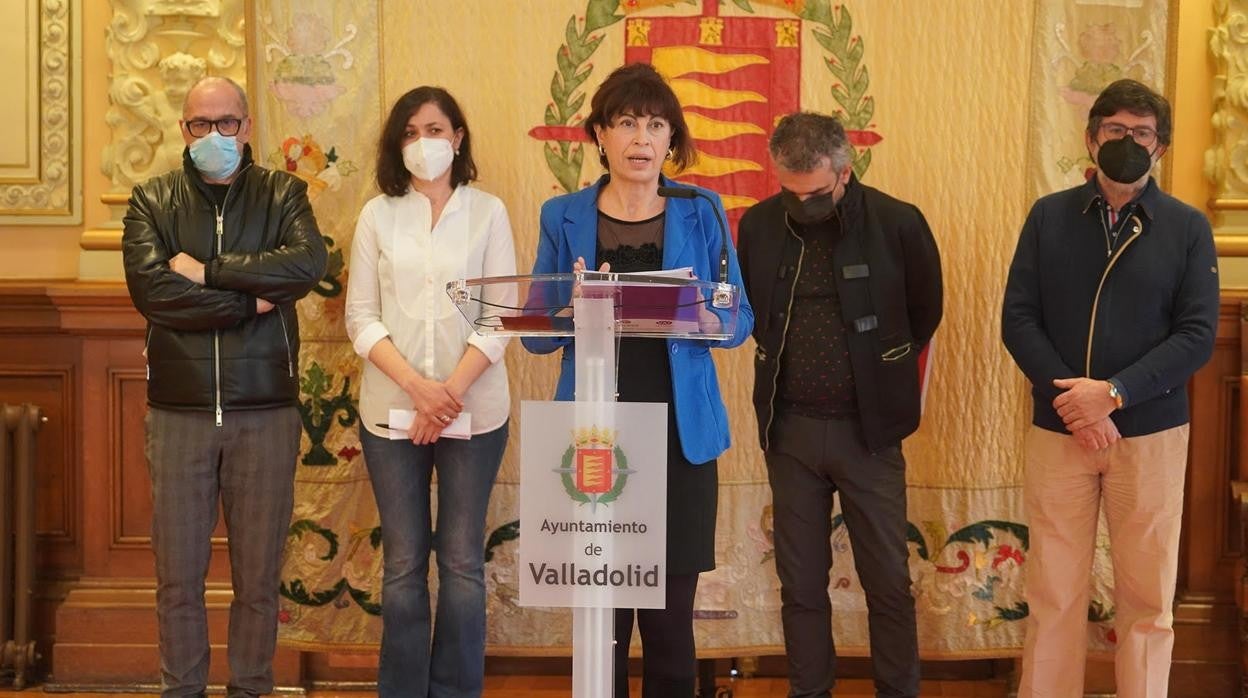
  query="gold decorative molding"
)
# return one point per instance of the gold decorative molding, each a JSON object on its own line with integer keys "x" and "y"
{"x": 158, "y": 49}
{"x": 100, "y": 239}
{"x": 45, "y": 188}
{"x": 1231, "y": 245}
{"x": 1226, "y": 163}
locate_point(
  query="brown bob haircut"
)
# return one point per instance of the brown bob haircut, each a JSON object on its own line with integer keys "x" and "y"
{"x": 392, "y": 176}
{"x": 638, "y": 89}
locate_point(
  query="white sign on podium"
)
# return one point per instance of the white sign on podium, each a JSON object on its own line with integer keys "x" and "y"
{"x": 593, "y": 507}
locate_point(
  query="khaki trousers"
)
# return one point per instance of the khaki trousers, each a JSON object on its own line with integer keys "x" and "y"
{"x": 1140, "y": 481}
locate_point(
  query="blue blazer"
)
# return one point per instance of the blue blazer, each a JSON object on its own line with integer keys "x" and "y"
{"x": 691, "y": 238}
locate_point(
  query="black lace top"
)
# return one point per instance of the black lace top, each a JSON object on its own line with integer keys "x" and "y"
{"x": 631, "y": 246}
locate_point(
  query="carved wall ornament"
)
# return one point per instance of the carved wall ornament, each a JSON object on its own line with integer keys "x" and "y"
{"x": 158, "y": 50}
{"x": 53, "y": 195}
{"x": 1226, "y": 162}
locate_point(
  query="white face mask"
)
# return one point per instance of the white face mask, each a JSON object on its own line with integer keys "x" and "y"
{"x": 428, "y": 158}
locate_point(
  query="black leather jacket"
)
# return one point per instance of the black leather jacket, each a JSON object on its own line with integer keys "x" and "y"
{"x": 207, "y": 348}
{"x": 889, "y": 286}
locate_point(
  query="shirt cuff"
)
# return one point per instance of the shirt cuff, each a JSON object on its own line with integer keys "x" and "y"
{"x": 493, "y": 347}
{"x": 368, "y": 337}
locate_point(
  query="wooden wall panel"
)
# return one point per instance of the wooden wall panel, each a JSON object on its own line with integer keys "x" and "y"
{"x": 1206, "y": 556}
{"x": 131, "y": 490}
{"x": 50, "y": 384}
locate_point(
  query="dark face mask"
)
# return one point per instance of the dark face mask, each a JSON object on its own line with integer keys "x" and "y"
{"x": 815, "y": 209}
{"x": 1124, "y": 160}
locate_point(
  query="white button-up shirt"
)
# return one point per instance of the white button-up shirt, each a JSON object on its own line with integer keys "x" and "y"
{"x": 397, "y": 289}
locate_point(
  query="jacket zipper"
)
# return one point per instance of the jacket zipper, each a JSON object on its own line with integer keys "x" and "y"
{"x": 216, "y": 334}
{"x": 1136, "y": 231}
{"x": 290, "y": 364}
{"x": 788, "y": 316}
{"x": 147, "y": 344}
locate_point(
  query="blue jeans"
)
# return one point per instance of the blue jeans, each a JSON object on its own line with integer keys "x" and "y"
{"x": 400, "y": 471}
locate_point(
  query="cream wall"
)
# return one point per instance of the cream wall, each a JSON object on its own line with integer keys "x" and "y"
{"x": 52, "y": 252}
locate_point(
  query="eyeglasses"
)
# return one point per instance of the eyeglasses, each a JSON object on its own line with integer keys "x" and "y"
{"x": 202, "y": 127}
{"x": 1143, "y": 135}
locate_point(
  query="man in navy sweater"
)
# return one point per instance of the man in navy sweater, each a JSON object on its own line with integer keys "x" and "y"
{"x": 1110, "y": 307}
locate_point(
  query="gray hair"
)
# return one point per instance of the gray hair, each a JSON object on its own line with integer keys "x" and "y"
{"x": 214, "y": 79}
{"x": 803, "y": 139}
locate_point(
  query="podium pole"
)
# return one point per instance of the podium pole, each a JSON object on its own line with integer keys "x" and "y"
{"x": 593, "y": 628}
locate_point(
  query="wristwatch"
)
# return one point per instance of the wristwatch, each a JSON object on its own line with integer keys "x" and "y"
{"x": 1117, "y": 396}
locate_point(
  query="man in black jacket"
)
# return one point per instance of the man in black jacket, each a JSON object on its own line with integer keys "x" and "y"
{"x": 1110, "y": 307}
{"x": 846, "y": 287}
{"x": 216, "y": 254}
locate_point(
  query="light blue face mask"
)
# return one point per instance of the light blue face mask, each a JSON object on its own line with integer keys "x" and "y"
{"x": 216, "y": 156}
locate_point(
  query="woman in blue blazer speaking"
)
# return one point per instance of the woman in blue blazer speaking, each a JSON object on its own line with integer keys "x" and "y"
{"x": 622, "y": 224}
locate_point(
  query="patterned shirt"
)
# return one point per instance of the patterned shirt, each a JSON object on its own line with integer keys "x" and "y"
{"x": 816, "y": 377}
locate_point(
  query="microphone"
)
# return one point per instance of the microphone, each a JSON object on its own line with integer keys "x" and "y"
{"x": 691, "y": 193}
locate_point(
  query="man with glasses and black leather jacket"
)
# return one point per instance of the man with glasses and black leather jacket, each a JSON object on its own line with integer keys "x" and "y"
{"x": 1110, "y": 307}
{"x": 216, "y": 254}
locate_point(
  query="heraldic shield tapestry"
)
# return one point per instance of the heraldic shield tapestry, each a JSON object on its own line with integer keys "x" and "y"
{"x": 970, "y": 147}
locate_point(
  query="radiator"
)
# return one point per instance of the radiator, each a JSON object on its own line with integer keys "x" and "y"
{"x": 17, "y": 541}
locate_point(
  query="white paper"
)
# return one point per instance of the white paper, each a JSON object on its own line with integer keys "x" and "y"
{"x": 401, "y": 420}
{"x": 678, "y": 273}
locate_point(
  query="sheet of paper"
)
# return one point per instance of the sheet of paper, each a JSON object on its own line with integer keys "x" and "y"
{"x": 678, "y": 273}
{"x": 401, "y": 420}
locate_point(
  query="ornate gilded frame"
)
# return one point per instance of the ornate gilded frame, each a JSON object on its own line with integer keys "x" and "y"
{"x": 47, "y": 188}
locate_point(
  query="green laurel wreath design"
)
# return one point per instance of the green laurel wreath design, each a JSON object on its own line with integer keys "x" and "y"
{"x": 569, "y": 485}
{"x": 574, "y": 68}
{"x": 845, "y": 63}
{"x": 835, "y": 35}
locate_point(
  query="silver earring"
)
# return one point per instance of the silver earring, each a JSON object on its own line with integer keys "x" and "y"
{"x": 601, "y": 152}
{"x": 669, "y": 154}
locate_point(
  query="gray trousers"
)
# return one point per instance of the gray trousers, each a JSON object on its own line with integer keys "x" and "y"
{"x": 809, "y": 460}
{"x": 248, "y": 464}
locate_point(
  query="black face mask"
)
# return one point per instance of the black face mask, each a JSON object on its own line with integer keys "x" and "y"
{"x": 1124, "y": 160}
{"x": 815, "y": 209}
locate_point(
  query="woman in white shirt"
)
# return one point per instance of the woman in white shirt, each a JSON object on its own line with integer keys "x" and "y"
{"x": 429, "y": 227}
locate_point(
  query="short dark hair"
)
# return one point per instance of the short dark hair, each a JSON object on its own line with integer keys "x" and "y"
{"x": 803, "y": 139}
{"x": 638, "y": 89}
{"x": 392, "y": 176}
{"x": 1136, "y": 98}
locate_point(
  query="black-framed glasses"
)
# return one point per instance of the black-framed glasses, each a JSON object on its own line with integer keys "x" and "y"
{"x": 1143, "y": 135}
{"x": 202, "y": 127}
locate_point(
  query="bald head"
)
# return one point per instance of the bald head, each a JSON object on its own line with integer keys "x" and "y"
{"x": 216, "y": 90}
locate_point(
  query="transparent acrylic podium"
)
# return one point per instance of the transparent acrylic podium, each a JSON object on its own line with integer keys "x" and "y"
{"x": 596, "y": 309}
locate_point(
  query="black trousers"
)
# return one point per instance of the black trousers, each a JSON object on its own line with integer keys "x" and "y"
{"x": 810, "y": 460}
{"x": 669, "y": 664}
